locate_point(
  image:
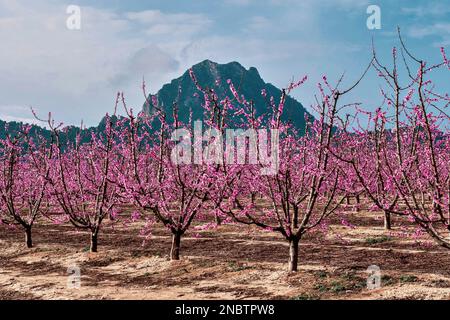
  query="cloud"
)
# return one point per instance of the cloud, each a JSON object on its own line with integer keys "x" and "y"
{"x": 430, "y": 9}
{"x": 238, "y": 2}
{"x": 259, "y": 23}
{"x": 440, "y": 30}
{"x": 40, "y": 55}
{"x": 8, "y": 118}
{"x": 429, "y": 20}
{"x": 343, "y": 4}
{"x": 18, "y": 114}
{"x": 149, "y": 61}
{"x": 155, "y": 22}
{"x": 75, "y": 74}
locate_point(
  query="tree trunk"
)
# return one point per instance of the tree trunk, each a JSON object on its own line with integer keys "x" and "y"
{"x": 94, "y": 242}
{"x": 387, "y": 220}
{"x": 295, "y": 217}
{"x": 348, "y": 200}
{"x": 357, "y": 203}
{"x": 218, "y": 220}
{"x": 293, "y": 255}
{"x": 176, "y": 244}
{"x": 28, "y": 238}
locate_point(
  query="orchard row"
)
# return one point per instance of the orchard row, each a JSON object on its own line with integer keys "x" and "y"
{"x": 396, "y": 156}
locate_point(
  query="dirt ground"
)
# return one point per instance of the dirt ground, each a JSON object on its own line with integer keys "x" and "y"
{"x": 233, "y": 262}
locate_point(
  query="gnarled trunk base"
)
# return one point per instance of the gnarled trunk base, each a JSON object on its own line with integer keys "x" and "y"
{"x": 94, "y": 242}
{"x": 176, "y": 245}
{"x": 293, "y": 255}
{"x": 218, "y": 220}
{"x": 387, "y": 220}
{"x": 28, "y": 238}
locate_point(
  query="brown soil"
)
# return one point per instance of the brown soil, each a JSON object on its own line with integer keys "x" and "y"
{"x": 232, "y": 262}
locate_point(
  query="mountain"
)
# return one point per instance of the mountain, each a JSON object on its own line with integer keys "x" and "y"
{"x": 248, "y": 83}
{"x": 214, "y": 75}
{"x": 70, "y": 134}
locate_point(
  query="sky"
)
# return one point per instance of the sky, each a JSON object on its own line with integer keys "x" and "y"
{"x": 75, "y": 74}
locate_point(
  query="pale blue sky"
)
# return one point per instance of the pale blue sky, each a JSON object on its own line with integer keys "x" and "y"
{"x": 75, "y": 74}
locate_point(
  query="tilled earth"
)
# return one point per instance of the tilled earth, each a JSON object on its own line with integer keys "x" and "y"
{"x": 230, "y": 262}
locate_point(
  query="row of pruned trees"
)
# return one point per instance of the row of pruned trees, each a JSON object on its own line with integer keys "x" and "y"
{"x": 399, "y": 162}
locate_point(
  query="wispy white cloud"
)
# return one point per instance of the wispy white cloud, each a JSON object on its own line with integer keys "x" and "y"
{"x": 431, "y": 20}
{"x": 156, "y": 22}
{"x": 344, "y": 4}
{"x": 75, "y": 74}
{"x": 150, "y": 62}
{"x": 259, "y": 23}
{"x": 440, "y": 30}
{"x": 9, "y": 118}
{"x": 436, "y": 9}
{"x": 18, "y": 114}
{"x": 238, "y": 2}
